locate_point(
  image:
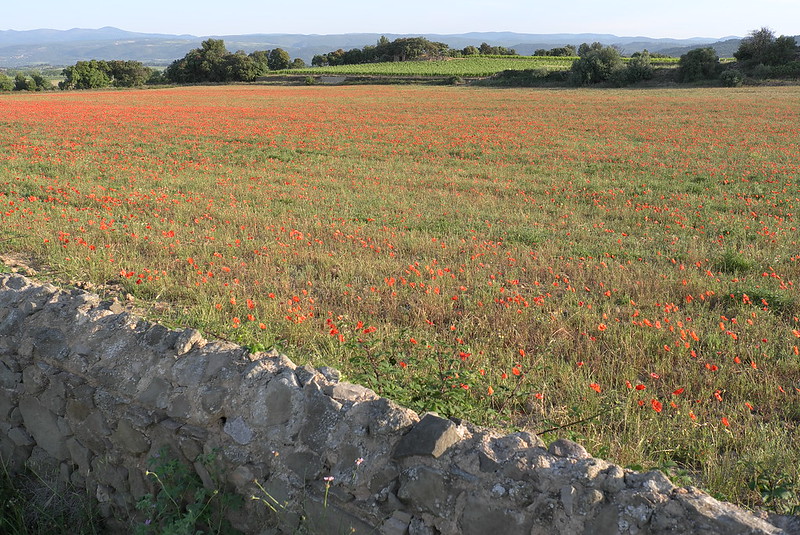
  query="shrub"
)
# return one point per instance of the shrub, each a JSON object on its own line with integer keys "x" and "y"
{"x": 6, "y": 83}
{"x": 731, "y": 78}
{"x": 596, "y": 64}
{"x": 698, "y": 64}
{"x": 637, "y": 70}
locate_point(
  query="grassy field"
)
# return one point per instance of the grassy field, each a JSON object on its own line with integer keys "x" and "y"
{"x": 470, "y": 67}
{"x": 611, "y": 266}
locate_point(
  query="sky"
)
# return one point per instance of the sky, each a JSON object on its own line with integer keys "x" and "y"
{"x": 677, "y": 18}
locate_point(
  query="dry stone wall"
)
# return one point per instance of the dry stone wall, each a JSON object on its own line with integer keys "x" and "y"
{"x": 89, "y": 393}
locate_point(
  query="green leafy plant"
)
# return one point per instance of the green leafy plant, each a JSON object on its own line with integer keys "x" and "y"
{"x": 182, "y": 505}
{"x": 778, "y": 490}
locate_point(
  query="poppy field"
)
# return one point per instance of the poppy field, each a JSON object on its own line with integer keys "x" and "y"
{"x": 612, "y": 266}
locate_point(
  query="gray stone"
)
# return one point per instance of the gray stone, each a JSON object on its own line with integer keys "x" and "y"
{"x": 387, "y": 418}
{"x": 189, "y": 370}
{"x": 80, "y": 455}
{"x": 43, "y": 425}
{"x": 8, "y": 378}
{"x": 350, "y": 392}
{"x": 179, "y": 407}
{"x": 305, "y": 374}
{"x": 212, "y": 399}
{"x": 156, "y": 394}
{"x": 187, "y": 340}
{"x": 238, "y": 430}
{"x": 54, "y": 397}
{"x": 425, "y": 489}
{"x": 12, "y": 322}
{"x": 282, "y": 394}
{"x": 160, "y": 338}
{"x": 34, "y": 379}
{"x": 6, "y": 405}
{"x": 321, "y": 416}
{"x": 93, "y": 431}
{"x": 327, "y": 519}
{"x": 306, "y": 464}
{"x": 417, "y": 526}
{"x": 567, "y": 448}
{"x": 430, "y": 436}
{"x": 482, "y": 517}
{"x": 242, "y": 478}
{"x": 129, "y": 438}
{"x": 20, "y": 437}
{"x": 331, "y": 374}
{"x": 50, "y": 343}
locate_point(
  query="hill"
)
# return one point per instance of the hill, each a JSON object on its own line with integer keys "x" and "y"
{"x": 65, "y": 47}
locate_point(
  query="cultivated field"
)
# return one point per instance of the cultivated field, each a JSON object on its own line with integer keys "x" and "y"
{"x": 618, "y": 267}
{"x": 471, "y": 66}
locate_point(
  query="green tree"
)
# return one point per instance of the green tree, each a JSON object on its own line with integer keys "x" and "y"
{"x": 298, "y": 63}
{"x": 597, "y": 63}
{"x": 279, "y": 59}
{"x": 40, "y": 83}
{"x": 638, "y": 68}
{"x": 241, "y": 67}
{"x": 129, "y": 73}
{"x": 21, "y": 83}
{"x": 6, "y": 83}
{"x": 761, "y": 47}
{"x": 261, "y": 60}
{"x": 91, "y": 74}
{"x": 698, "y": 64}
{"x": 205, "y": 64}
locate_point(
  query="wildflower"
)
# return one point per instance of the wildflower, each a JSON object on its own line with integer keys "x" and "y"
{"x": 595, "y": 387}
{"x": 656, "y": 405}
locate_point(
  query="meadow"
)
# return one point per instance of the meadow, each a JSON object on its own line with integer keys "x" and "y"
{"x": 617, "y": 267}
{"x": 479, "y": 66}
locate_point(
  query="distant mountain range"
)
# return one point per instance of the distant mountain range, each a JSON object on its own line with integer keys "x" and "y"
{"x": 32, "y": 48}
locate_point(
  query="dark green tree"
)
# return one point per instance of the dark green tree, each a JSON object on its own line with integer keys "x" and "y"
{"x": 21, "y": 83}
{"x": 241, "y": 67}
{"x": 298, "y": 63}
{"x": 40, "y": 83}
{"x": 279, "y": 59}
{"x": 204, "y": 64}
{"x": 129, "y": 73}
{"x": 699, "y": 64}
{"x": 6, "y": 83}
{"x": 637, "y": 69}
{"x": 91, "y": 74}
{"x": 597, "y": 63}
{"x": 261, "y": 59}
{"x": 761, "y": 47}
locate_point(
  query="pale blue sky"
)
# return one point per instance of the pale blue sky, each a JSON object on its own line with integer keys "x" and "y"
{"x": 676, "y": 18}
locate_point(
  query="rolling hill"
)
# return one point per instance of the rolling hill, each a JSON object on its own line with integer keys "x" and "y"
{"x": 65, "y": 47}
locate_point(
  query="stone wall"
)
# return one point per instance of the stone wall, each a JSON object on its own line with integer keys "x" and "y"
{"x": 89, "y": 393}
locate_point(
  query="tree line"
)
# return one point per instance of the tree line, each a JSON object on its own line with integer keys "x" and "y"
{"x": 404, "y": 49}
{"x": 213, "y": 63}
{"x": 760, "y": 55}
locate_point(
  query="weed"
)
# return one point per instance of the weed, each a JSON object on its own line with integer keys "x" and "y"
{"x": 31, "y": 505}
{"x": 779, "y": 491}
{"x": 182, "y": 505}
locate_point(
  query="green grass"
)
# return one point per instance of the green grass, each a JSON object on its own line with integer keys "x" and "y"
{"x": 520, "y": 258}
